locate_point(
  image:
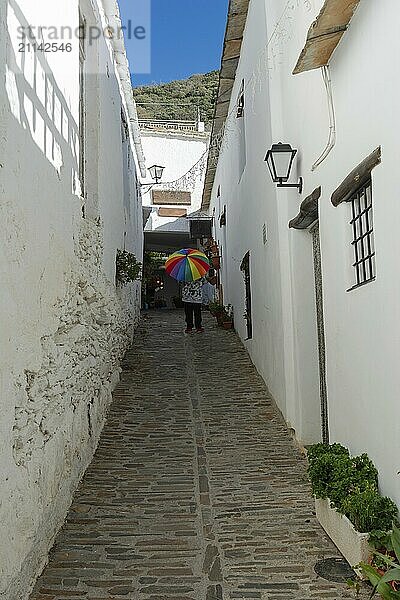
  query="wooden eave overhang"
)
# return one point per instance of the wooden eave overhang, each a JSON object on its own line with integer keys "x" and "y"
{"x": 356, "y": 178}
{"x": 237, "y": 16}
{"x": 325, "y": 34}
{"x": 308, "y": 212}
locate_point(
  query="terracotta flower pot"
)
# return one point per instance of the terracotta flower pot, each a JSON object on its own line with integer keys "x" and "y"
{"x": 216, "y": 262}
{"x": 227, "y": 324}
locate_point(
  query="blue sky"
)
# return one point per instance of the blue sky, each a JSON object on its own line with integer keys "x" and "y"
{"x": 187, "y": 37}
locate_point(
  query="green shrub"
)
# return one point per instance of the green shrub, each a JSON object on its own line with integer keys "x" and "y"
{"x": 216, "y": 307}
{"x": 380, "y": 539}
{"x": 368, "y": 510}
{"x": 364, "y": 471}
{"x": 351, "y": 484}
{"x": 179, "y": 99}
{"x": 317, "y": 450}
{"x": 330, "y": 477}
{"x": 128, "y": 268}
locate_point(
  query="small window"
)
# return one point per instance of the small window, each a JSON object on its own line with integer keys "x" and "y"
{"x": 124, "y": 126}
{"x": 363, "y": 235}
{"x": 218, "y": 207}
{"x": 245, "y": 268}
{"x": 222, "y": 218}
{"x": 241, "y": 146}
{"x": 240, "y": 102}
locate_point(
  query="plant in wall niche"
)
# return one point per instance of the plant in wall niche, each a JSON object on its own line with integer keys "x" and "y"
{"x": 351, "y": 485}
{"x": 384, "y": 570}
{"x": 128, "y": 268}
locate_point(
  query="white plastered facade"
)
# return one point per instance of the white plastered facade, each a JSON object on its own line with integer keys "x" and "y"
{"x": 361, "y": 326}
{"x": 64, "y": 323}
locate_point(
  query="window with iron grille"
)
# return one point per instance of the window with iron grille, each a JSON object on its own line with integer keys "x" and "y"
{"x": 241, "y": 146}
{"x": 245, "y": 268}
{"x": 124, "y": 126}
{"x": 363, "y": 235}
{"x": 240, "y": 102}
{"x": 222, "y": 218}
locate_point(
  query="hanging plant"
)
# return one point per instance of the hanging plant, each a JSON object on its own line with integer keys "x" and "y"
{"x": 128, "y": 268}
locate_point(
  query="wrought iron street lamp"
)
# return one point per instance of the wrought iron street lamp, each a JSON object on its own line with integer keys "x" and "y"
{"x": 156, "y": 173}
{"x": 280, "y": 161}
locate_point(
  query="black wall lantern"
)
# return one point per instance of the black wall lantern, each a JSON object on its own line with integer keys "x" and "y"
{"x": 156, "y": 173}
{"x": 280, "y": 161}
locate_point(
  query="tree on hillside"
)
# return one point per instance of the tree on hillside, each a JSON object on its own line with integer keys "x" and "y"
{"x": 179, "y": 100}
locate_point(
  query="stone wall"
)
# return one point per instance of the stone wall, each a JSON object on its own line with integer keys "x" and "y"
{"x": 64, "y": 325}
{"x": 60, "y": 408}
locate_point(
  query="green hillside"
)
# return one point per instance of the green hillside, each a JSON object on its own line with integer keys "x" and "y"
{"x": 179, "y": 100}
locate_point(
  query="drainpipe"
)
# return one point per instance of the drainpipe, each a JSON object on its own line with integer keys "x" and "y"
{"x": 332, "y": 118}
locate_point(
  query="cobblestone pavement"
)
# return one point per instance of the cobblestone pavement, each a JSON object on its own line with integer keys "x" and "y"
{"x": 196, "y": 491}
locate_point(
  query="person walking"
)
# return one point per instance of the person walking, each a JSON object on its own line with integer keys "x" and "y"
{"x": 209, "y": 291}
{"x": 192, "y": 297}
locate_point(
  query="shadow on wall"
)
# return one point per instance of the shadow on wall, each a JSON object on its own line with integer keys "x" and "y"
{"x": 180, "y": 225}
{"x": 37, "y": 102}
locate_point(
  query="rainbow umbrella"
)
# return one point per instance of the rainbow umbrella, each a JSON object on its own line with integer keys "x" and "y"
{"x": 187, "y": 265}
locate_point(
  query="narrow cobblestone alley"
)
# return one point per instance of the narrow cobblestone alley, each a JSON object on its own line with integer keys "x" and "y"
{"x": 196, "y": 491}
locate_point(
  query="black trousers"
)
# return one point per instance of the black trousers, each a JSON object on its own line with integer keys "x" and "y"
{"x": 192, "y": 309}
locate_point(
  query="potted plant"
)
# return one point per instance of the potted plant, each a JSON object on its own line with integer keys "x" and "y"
{"x": 216, "y": 262}
{"x": 213, "y": 247}
{"x": 227, "y": 317}
{"x": 220, "y": 319}
{"x": 215, "y": 308}
{"x": 348, "y": 503}
{"x": 383, "y": 570}
{"x": 214, "y": 255}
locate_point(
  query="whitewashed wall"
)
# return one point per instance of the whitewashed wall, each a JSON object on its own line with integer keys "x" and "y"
{"x": 281, "y": 269}
{"x": 362, "y": 337}
{"x": 178, "y": 152}
{"x": 63, "y": 324}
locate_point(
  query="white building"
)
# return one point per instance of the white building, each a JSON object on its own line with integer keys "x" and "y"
{"x": 181, "y": 147}
{"x": 70, "y": 161}
{"x": 322, "y": 310}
